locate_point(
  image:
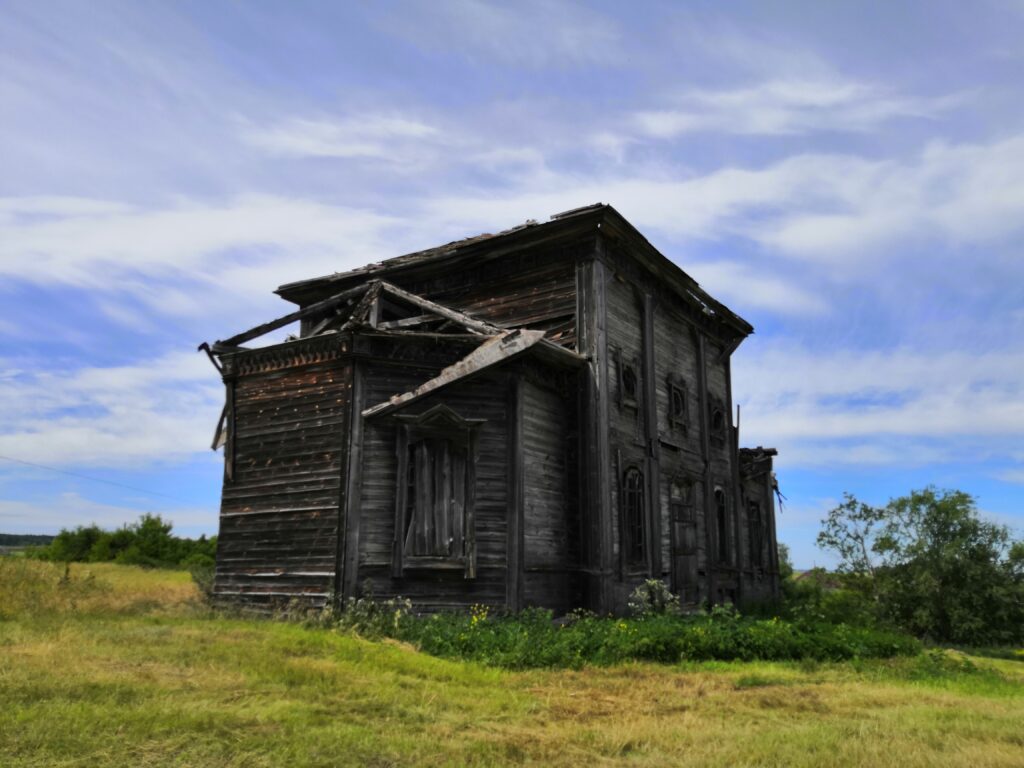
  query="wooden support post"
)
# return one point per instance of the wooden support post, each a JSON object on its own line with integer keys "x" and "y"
{"x": 710, "y": 520}
{"x": 652, "y": 453}
{"x": 516, "y": 466}
{"x": 353, "y": 486}
{"x": 597, "y": 521}
{"x": 738, "y": 514}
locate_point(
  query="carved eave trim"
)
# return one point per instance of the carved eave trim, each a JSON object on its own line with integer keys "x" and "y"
{"x": 290, "y": 354}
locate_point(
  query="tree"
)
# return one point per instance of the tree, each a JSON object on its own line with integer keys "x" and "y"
{"x": 933, "y": 565}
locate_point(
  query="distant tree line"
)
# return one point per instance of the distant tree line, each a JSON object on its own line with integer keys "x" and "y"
{"x": 926, "y": 563}
{"x": 147, "y": 542}
{"x": 24, "y": 540}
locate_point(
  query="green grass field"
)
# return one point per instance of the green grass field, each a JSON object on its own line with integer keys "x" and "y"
{"x": 118, "y": 666}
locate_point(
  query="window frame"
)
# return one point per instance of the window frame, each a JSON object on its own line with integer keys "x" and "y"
{"x": 680, "y": 421}
{"x": 633, "y": 519}
{"x": 440, "y": 425}
{"x": 622, "y": 367}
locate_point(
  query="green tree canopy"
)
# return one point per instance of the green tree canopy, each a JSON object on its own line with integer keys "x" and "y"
{"x": 933, "y": 565}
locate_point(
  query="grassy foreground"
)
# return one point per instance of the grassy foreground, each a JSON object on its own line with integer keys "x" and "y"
{"x": 115, "y": 665}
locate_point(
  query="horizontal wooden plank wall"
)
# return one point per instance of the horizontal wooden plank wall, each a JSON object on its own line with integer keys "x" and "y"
{"x": 480, "y": 398}
{"x": 534, "y": 290}
{"x": 551, "y": 525}
{"x": 279, "y": 515}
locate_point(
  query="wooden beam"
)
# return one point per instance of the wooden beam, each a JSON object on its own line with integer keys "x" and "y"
{"x": 516, "y": 497}
{"x": 360, "y": 315}
{"x": 405, "y": 322}
{"x": 479, "y": 326}
{"x": 652, "y": 452}
{"x": 495, "y": 350}
{"x": 273, "y": 325}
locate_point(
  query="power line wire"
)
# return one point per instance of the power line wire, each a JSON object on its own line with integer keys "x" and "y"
{"x": 93, "y": 479}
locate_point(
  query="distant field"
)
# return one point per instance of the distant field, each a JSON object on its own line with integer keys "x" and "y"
{"x": 113, "y": 666}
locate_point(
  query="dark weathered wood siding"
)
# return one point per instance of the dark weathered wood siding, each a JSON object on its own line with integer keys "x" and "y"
{"x": 480, "y": 398}
{"x": 551, "y": 524}
{"x": 279, "y": 513}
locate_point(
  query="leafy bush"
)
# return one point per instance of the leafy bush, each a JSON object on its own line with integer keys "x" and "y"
{"x": 653, "y": 598}
{"x": 148, "y": 543}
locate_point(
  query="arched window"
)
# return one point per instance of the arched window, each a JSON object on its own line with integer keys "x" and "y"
{"x": 722, "y": 525}
{"x": 633, "y": 516}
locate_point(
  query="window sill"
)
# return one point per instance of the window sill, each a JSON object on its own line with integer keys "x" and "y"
{"x": 433, "y": 564}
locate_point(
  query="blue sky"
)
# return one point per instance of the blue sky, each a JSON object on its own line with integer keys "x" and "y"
{"x": 847, "y": 176}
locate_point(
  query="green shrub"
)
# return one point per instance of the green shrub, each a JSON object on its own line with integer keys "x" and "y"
{"x": 148, "y": 543}
{"x": 653, "y": 598}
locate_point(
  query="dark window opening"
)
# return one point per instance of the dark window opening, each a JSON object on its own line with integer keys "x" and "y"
{"x": 755, "y": 526}
{"x": 718, "y": 425}
{"x": 633, "y": 516}
{"x": 722, "y": 526}
{"x": 629, "y": 383}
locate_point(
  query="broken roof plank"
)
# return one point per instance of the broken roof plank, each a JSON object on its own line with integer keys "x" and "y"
{"x": 479, "y": 326}
{"x": 291, "y": 317}
{"x": 495, "y": 350}
{"x": 361, "y": 314}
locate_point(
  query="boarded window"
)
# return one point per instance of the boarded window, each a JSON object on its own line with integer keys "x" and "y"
{"x": 633, "y": 517}
{"x": 434, "y": 526}
{"x": 722, "y": 526}
{"x": 436, "y": 499}
{"x": 684, "y": 517}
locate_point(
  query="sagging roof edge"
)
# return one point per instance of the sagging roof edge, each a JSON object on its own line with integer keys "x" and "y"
{"x": 597, "y": 215}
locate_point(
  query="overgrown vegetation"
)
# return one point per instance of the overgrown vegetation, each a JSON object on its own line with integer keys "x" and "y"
{"x": 148, "y": 543}
{"x": 928, "y": 564}
{"x": 658, "y": 632}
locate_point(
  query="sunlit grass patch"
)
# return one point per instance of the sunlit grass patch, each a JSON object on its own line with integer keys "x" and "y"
{"x": 106, "y": 679}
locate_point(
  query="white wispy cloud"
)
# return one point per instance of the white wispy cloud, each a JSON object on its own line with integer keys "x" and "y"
{"x": 157, "y": 410}
{"x": 532, "y": 34}
{"x": 393, "y": 139}
{"x": 898, "y": 407}
{"x": 752, "y": 288}
{"x": 175, "y": 258}
{"x": 785, "y": 107}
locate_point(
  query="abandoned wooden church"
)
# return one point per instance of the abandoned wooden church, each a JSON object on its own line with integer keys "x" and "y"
{"x": 541, "y": 417}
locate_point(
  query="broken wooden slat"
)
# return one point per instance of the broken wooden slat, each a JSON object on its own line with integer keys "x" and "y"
{"x": 363, "y": 309}
{"x": 273, "y": 325}
{"x": 495, "y": 350}
{"x": 406, "y": 322}
{"x": 458, "y": 317}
